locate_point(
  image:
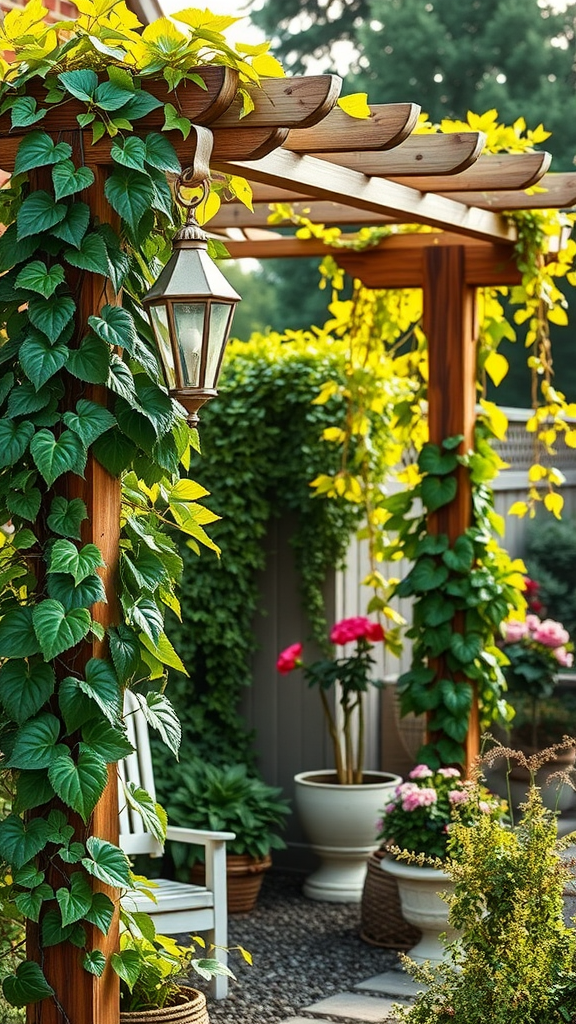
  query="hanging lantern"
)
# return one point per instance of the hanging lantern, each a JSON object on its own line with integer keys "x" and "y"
{"x": 190, "y": 307}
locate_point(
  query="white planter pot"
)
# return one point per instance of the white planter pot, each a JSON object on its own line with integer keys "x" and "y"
{"x": 340, "y": 822}
{"x": 421, "y": 906}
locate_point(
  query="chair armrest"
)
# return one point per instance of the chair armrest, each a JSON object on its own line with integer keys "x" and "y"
{"x": 197, "y": 835}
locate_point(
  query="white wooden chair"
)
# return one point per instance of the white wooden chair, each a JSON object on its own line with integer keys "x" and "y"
{"x": 180, "y": 907}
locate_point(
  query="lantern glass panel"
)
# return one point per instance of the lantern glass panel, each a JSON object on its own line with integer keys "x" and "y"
{"x": 159, "y": 318}
{"x": 220, "y": 313}
{"x": 189, "y": 323}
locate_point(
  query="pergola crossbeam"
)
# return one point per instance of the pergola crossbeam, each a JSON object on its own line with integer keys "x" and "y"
{"x": 310, "y": 177}
{"x": 389, "y": 125}
{"x": 418, "y": 155}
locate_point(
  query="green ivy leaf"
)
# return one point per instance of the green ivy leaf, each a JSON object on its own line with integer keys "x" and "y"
{"x": 67, "y": 180}
{"x": 14, "y": 440}
{"x": 38, "y": 149}
{"x": 75, "y": 224}
{"x": 427, "y": 575}
{"x": 56, "y": 629}
{"x": 65, "y": 557}
{"x": 30, "y": 903}
{"x": 145, "y": 614}
{"x": 32, "y": 790}
{"x": 75, "y": 706}
{"x": 139, "y": 105}
{"x": 25, "y": 686}
{"x": 36, "y": 277}
{"x": 449, "y": 751}
{"x": 457, "y": 698}
{"x": 129, "y": 193}
{"x": 27, "y": 985}
{"x": 146, "y": 570}
{"x": 40, "y": 359}
{"x": 101, "y": 685}
{"x": 39, "y": 212}
{"x": 29, "y": 876}
{"x": 135, "y": 425}
{"x": 461, "y": 557}
{"x": 94, "y": 962}
{"x": 91, "y": 361}
{"x": 52, "y": 931}
{"x": 160, "y": 153}
{"x": 101, "y": 912}
{"x": 66, "y": 516}
{"x": 75, "y": 901}
{"x": 466, "y": 648}
{"x": 25, "y": 112}
{"x": 109, "y": 96}
{"x": 72, "y": 854}
{"x": 54, "y": 457}
{"x": 438, "y": 491}
{"x": 160, "y": 715}
{"x": 154, "y": 817}
{"x": 91, "y": 255}
{"x": 431, "y": 460}
{"x": 24, "y": 399}
{"x": 121, "y": 379}
{"x": 17, "y": 636}
{"x": 61, "y": 586}
{"x": 130, "y": 152}
{"x": 13, "y": 252}
{"x": 125, "y": 651}
{"x": 81, "y": 83}
{"x": 111, "y": 744}
{"x": 114, "y": 325}
{"x": 173, "y": 121}
{"x": 107, "y": 863}
{"x": 80, "y": 783}
{"x": 20, "y": 841}
{"x": 114, "y": 451}
{"x": 36, "y": 742}
{"x": 154, "y": 403}
{"x": 127, "y": 965}
{"x": 435, "y": 609}
{"x": 25, "y": 504}
{"x": 51, "y": 315}
{"x": 89, "y": 421}
{"x": 118, "y": 264}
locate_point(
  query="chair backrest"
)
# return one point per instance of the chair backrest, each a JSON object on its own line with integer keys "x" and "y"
{"x": 136, "y": 768}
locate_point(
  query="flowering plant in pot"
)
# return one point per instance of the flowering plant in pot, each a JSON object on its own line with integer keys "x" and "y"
{"x": 353, "y": 674}
{"x": 338, "y": 808}
{"x": 417, "y": 824}
{"x": 536, "y": 650}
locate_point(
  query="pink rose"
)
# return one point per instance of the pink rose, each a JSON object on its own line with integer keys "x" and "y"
{"x": 449, "y": 773}
{"x": 289, "y": 659}
{"x": 348, "y": 630}
{"x": 563, "y": 657}
{"x": 374, "y": 632}
{"x": 551, "y": 634}
{"x": 532, "y": 621}
{"x": 389, "y": 808}
{"x": 514, "y": 631}
{"x": 421, "y": 771}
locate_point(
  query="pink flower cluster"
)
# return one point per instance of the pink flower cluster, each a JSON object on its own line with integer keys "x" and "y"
{"x": 289, "y": 659}
{"x": 413, "y": 796}
{"x": 355, "y": 628}
{"x": 547, "y": 632}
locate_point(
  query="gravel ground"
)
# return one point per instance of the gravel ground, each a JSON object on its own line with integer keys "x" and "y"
{"x": 302, "y": 950}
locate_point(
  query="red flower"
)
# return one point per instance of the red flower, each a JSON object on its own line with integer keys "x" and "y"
{"x": 289, "y": 659}
{"x": 347, "y": 630}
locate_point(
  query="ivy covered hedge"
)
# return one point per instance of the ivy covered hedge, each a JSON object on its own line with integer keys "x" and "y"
{"x": 261, "y": 448}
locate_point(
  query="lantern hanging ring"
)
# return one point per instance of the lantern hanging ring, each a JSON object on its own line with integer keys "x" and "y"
{"x": 188, "y": 180}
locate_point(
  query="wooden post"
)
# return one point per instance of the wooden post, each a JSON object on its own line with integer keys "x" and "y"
{"x": 83, "y": 998}
{"x": 449, "y": 315}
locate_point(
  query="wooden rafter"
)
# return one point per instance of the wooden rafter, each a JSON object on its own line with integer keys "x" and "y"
{"x": 389, "y": 124}
{"x": 420, "y": 154}
{"x": 497, "y": 171}
{"x": 296, "y": 102}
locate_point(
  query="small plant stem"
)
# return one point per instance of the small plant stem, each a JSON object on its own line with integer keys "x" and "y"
{"x": 358, "y": 770}
{"x": 348, "y": 748}
{"x": 338, "y": 762}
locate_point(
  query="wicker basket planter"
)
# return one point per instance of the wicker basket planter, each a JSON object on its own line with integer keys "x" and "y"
{"x": 381, "y": 921}
{"x": 244, "y": 877}
{"x": 191, "y": 1010}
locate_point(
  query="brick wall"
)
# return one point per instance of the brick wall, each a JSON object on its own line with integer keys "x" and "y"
{"x": 59, "y": 9}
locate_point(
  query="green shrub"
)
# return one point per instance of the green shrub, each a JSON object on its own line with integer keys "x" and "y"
{"x": 551, "y": 561}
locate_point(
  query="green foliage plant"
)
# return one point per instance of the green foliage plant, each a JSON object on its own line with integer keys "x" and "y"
{"x": 73, "y": 387}
{"x": 515, "y": 962}
{"x": 550, "y": 558}
{"x": 227, "y": 799}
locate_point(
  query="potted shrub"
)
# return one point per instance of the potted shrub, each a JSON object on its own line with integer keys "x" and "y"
{"x": 417, "y": 825}
{"x": 339, "y": 807}
{"x": 229, "y": 799}
{"x": 515, "y": 960}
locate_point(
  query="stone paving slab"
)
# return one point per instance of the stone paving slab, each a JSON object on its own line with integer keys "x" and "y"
{"x": 391, "y": 983}
{"x": 354, "y": 1006}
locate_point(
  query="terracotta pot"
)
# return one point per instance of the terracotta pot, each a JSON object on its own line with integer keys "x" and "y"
{"x": 191, "y": 1010}
{"x": 244, "y": 877}
{"x": 340, "y": 822}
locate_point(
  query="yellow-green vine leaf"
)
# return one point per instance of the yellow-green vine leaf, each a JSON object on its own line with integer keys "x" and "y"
{"x": 267, "y": 66}
{"x": 355, "y": 105}
{"x": 497, "y": 420}
{"x": 519, "y": 508}
{"x": 163, "y": 651}
{"x": 496, "y": 366}
{"x": 242, "y": 190}
{"x": 554, "y": 502}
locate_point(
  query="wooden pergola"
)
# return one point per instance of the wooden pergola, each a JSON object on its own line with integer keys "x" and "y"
{"x": 297, "y": 145}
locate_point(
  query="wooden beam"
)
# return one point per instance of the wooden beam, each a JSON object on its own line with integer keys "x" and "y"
{"x": 202, "y": 106}
{"x": 236, "y": 215}
{"x": 448, "y": 322}
{"x": 296, "y": 102}
{"x": 308, "y": 175}
{"x": 560, "y": 194}
{"x": 389, "y": 124}
{"x": 418, "y": 155}
{"x": 498, "y": 172}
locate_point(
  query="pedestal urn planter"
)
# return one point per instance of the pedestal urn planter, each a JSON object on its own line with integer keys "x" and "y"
{"x": 423, "y": 907}
{"x": 190, "y": 1009}
{"x": 340, "y": 822}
